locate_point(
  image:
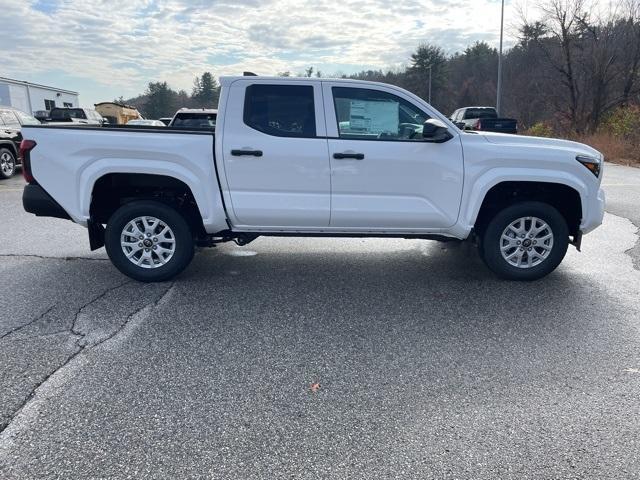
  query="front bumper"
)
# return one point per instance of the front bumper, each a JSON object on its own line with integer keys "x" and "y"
{"x": 595, "y": 213}
{"x": 37, "y": 201}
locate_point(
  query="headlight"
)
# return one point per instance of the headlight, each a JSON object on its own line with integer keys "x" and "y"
{"x": 594, "y": 164}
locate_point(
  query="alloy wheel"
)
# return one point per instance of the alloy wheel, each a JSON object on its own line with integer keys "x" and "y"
{"x": 7, "y": 164}
{"x": 148, "y": 242}
{"x": 526, "y": 242}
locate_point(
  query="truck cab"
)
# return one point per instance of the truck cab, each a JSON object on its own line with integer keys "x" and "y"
{"x": 317, "y": 155}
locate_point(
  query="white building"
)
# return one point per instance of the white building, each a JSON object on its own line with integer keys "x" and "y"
{"x": 31, "y": 97}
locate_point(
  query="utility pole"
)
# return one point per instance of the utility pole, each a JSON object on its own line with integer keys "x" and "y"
{"x": 499, "y": 89}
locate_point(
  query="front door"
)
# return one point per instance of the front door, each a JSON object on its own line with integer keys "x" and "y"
{"x": 384, "y": 175}
{"x": 275, "y": 154}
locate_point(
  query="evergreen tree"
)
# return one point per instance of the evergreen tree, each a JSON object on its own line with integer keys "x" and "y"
{"x": 161, "y": 100}
{"x": 206, "y": 91}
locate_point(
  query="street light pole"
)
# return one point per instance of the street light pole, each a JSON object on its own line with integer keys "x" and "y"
{"x": 429, "y": 67}
{"x": 499, "y": 89}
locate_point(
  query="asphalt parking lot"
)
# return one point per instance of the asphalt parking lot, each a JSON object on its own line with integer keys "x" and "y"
{"x": 427, "y": 365}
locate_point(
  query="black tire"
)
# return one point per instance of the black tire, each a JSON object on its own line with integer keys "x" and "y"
{"x": 491, "y": 241}
{"x": 7, "y": 163}
{"x": 181, "y": 233}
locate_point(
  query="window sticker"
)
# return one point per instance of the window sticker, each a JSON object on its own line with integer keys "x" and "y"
{"x": 373, "y": 117}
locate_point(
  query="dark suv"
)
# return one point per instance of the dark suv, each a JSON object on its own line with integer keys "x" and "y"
{"x": 11, "y": 121}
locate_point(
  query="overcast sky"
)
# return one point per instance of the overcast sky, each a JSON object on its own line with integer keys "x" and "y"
{"x": 105, "y": 49}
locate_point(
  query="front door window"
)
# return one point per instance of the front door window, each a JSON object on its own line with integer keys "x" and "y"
{"x": 365, "y": 114}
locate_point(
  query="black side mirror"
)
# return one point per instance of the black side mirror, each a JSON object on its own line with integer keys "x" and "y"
{"x": 460, "y": 125}
{"x": 435, "y": 131}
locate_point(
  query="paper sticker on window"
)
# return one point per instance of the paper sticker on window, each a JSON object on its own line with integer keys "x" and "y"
{"x": 374, "y": 117}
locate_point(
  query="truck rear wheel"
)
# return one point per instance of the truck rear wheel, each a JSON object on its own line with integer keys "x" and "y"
{"x": 525, "y": 241}
{"x": 149, "y": 241}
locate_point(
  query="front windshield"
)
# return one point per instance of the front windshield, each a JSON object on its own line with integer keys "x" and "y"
{"x": 27, "y": 119}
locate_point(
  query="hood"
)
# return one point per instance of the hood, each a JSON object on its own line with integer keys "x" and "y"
{"x": 540, "y": 142}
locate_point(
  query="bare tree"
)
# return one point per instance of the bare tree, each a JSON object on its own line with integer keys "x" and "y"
{"x": 631, "y": 45}
{"x": 562, "y": 27}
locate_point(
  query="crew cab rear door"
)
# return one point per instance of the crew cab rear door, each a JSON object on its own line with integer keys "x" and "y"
{"x": 274, "y": 146}
{"x": 384, "y": 175}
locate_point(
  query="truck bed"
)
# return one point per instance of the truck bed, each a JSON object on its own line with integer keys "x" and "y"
{"x": 126, "y": 128}
{"x": 68, "y": 160}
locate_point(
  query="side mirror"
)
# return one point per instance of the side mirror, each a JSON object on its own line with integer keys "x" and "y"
{"x": 105, "y": 121}
{"x": 435, "y": 131}
{"x": 460, "y": 125}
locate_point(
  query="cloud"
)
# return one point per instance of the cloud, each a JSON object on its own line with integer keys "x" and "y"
{"x": 120, "y": 45}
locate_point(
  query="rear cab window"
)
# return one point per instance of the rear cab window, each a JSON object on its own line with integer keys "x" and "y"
{"x": 194, "y": 120}
{"x": 67, "y": 114}
{"x": 472, "y": 113}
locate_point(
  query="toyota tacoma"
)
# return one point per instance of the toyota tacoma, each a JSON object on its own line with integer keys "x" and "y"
{"x": 314, "y": 157}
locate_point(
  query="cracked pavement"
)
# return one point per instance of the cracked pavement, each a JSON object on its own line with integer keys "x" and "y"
{"x": 428, "y": 366}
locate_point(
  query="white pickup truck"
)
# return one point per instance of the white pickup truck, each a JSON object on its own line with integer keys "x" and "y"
{"x": 314, "y": 157}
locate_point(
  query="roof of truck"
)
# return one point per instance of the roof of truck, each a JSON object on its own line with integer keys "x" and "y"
{"x": 197, "y": 110}
{"x": 227, "y": 80}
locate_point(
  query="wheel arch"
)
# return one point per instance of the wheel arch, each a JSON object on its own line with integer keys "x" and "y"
{"x": 163, "y": 175}
{"x": 11, "y": 146}
{"x": 567, "y": 197}
{"x": 115, "y": 189}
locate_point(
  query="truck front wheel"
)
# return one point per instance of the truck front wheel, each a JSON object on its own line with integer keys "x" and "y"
{"x": 149, "y": 241}
{"x": 525, "y": 241}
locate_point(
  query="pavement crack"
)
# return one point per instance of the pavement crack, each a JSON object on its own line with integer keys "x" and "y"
{"x": 150, "y": 307}
{"x": 79, "y": 346}
{"x": 634, "y": 252}
{"x": 73, "y": 328}
{"x": 30, "y": 322}
{"x": 45, "y": 257}
{"x": 33, "y": 392}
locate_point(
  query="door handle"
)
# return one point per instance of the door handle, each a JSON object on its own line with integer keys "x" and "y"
{"x": 239, "y": 153}
{"x": 342, "y": 156}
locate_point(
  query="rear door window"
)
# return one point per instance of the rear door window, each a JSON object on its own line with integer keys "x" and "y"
{"x": 281, "y": 110}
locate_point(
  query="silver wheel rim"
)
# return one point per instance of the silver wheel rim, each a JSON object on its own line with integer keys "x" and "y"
{"x": 6, "y": 163}
{"x": 148, "y": 242}
{"x": 526, "y": 242}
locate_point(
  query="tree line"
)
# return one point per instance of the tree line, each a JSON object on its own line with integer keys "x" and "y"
{"x": 570, "y": 70}
{"x": 160, "y": 100}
